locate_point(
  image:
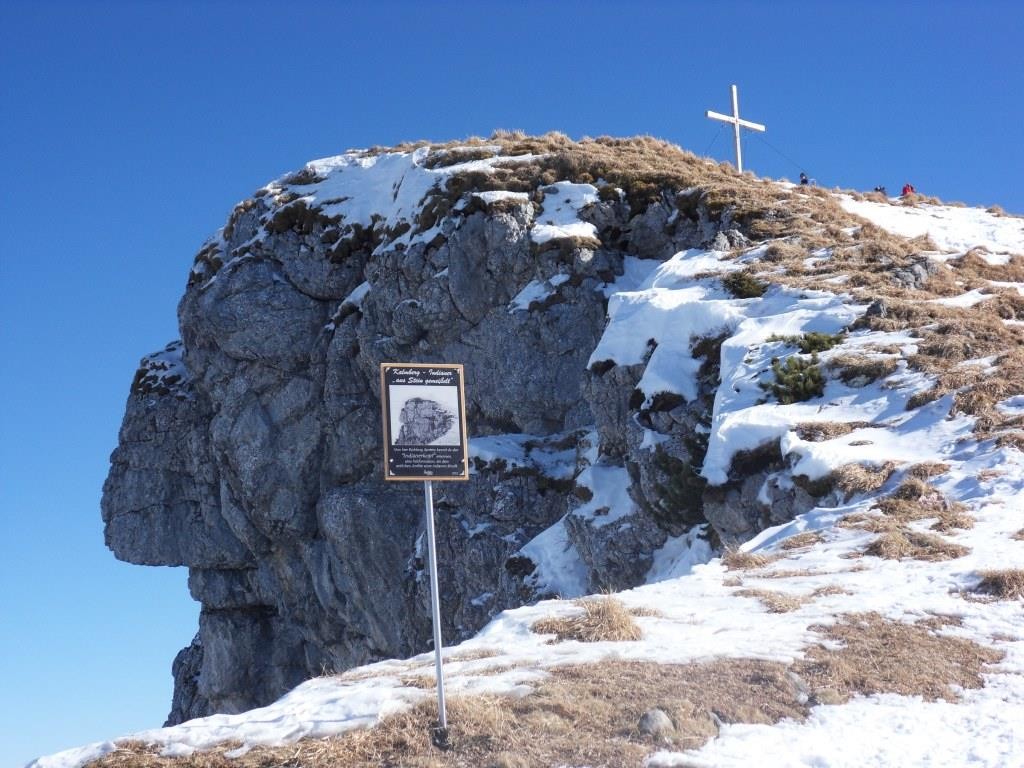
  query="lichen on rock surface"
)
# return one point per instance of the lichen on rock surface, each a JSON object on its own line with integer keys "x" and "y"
{"x": 615, "y": 390}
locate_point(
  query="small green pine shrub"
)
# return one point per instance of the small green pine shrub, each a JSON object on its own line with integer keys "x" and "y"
{"x": 796, "y": 380}
{"x": 743, "y": 285}
{"x": 679, "y": 505}
{"x": 812, "y": 342}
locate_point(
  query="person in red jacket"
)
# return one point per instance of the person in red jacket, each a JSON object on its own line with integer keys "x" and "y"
{"x": 908, "y": 189}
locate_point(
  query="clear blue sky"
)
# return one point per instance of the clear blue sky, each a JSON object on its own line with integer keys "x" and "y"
{"x": 129, "y": 130}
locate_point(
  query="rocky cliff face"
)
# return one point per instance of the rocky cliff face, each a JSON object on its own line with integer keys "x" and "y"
{"x": 250, "y": 451}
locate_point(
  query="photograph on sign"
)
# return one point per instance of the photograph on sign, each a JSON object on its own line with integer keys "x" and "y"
{"x": 424, "y": 422}
{"x": 424, "y": 415}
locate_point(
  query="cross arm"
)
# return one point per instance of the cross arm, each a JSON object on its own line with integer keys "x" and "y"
{"x": 735, "y": 120}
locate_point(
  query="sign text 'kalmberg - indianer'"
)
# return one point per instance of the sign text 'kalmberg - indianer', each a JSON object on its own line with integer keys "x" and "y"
{"x": 424, "y": 410}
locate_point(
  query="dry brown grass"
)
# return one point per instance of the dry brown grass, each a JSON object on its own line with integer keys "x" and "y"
{"x": 977, "y": 388}
{"x": 647, "y": 169}
{"x": 831, "y": 589}
{"x": 1005, "y": 584}
{"x": 737, "y": 560}
{"x": 645, "y": 612}
{"x": 879, "y": 655}
{"x": 913, "y": 500}
{"x": 973, "y": 265}
{"x": 790, "y": 573}
{"x": 800, "y": 540}
{"x": 471, "y": 654}
{"x": 927, "y": 469}
{"x": 786, "y": 251}
{"x": 1013, "y": 439}
{"x": 580, "y": 715}
{"x": 427, "y": 682}
{"x": 954, "y": 519}
{"x": 775, "y": 602}
{"x": 980, "y": 399}
{"x": 854, "y": 478}
{"x": 819, "y": 431}
{"x": 603, "y": 619}
{"x": 587, "y": 714}
{"x": 861, "y": 370}
{"x": 937, "y": 621}
{"x": 973, "y": 335}
{"x": 903, "y": 313}
{"x": 904, "y": 544}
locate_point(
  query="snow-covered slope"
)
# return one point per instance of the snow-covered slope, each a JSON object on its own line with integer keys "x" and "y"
{"x": 701, "y": 616}
{"x": 921, "y": 496}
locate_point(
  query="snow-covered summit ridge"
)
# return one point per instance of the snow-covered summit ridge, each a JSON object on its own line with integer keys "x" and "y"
{"x": 954, "y": 229}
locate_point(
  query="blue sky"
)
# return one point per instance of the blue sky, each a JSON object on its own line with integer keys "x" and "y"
{"x": 128, "y": 131}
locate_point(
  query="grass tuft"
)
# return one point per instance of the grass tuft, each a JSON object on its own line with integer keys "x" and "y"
{"x": 775, "y": 602}
{"x": 1005, "y": 584}
{"x": 603, "y": 619}
{"x": 800, "y": 540}
{"x": 879, "y": 655}
{"x": 904, "y": 544}
{"x": 736, "y": 560}
{"x": 855, "y": 478}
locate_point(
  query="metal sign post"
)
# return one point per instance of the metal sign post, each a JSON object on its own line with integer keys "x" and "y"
{"x": 424, "y": 412}
{"x": 435, "y": 610}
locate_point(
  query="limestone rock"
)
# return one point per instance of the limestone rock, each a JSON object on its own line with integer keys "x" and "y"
{"x": 250, "y": 451}
{"x": 655, "y": 723}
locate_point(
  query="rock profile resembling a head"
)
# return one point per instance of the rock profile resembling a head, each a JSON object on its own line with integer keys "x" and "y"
{"x": 423, "y": 422}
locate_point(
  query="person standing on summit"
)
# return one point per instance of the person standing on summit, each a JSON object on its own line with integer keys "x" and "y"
{"x": 908, "y": 189}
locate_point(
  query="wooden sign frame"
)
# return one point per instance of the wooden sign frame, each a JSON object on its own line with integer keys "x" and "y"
{"x": 423, "y": 414}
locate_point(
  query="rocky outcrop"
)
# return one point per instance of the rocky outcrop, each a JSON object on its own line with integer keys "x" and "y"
{"x": 250, "y": 452}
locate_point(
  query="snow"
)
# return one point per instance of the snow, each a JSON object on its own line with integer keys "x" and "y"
{"x": 559, "y": 568}
{"x": 680, "y": 554}
{"x": 560, "y": 215}
{"x": 680, "y": 301}
{"x": 535, "y": 292}
{"x": 635, "y": 273}
{"x": 951, "y": 228}
{"x": 927, "y": 434}
{"x": 964, "y": 300}
{"x": 166, "y": 368}
{"x": 1012, "y": 406}
{"x": 882, "y": 730}
{"x": 355, "y": 298}
{"x": 71, "y": 758}
{"x": 494, "y": 196}
{"x": 610, "y": 501}
{"x": 1018, "y": 287}
{"x": 540, "y": 453}
{"x": 360, "y": 187}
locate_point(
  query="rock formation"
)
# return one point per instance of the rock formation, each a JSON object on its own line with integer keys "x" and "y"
{"x": 250, "y": 451}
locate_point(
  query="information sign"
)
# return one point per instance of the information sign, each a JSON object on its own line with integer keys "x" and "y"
{"x": 424, "y": 412}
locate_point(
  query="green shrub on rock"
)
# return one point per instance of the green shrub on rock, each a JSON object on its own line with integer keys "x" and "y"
{"x": 812, "y": 342}
{"x": 796, "y": 380}
{"x": 743, "y": 285}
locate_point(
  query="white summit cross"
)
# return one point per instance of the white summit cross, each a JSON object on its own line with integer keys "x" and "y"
{"x": 734, "y": 118}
